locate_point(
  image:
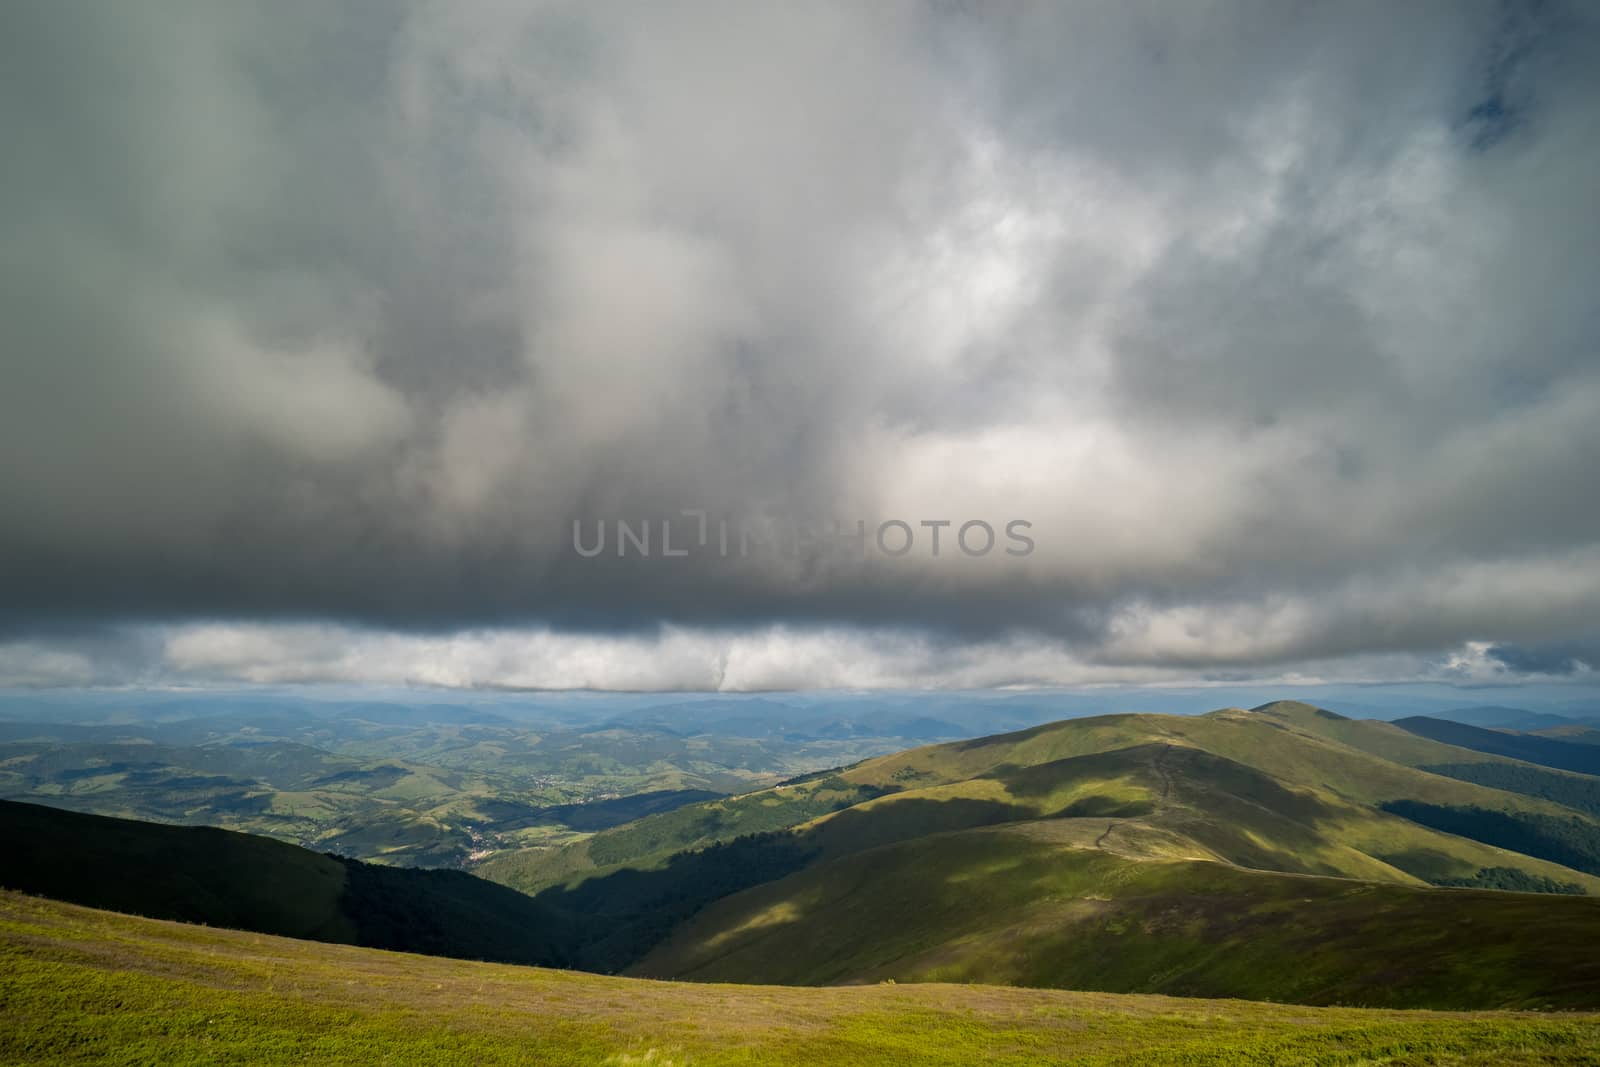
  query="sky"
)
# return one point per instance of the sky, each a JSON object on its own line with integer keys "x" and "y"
{"x": 1260, "y": 336}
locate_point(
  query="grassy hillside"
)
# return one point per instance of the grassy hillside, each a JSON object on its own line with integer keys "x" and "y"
{"x": 1131, "y": 823}
{"x": 88, "y": 987}
{"x": 1355, "y": 761}
{"x": 651, "y": 840}
{"x": 1285, "y": 790}
{"x": 1579, "y": 733}
{"x": 227, "y": 879}
{"x": 1325, "y": 767}
{"x": 1363, "y": 761}
{"x": 1220, "y": 808}
{"x": 1039, "y": 904}
{"x": 1550, "y": 751}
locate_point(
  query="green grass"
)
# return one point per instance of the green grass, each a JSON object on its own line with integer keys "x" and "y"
{"x": 1127, "y": 853}
{"x": 649, "y": 841}
{"x": 79, "y": 986}
{"x": 222, "y": 878}
{"x": 1286, "y": 789}
{"x": 1039, "y": 905}
{"x": 1548, "y": 751}
{"x": 1580, "y": 792}
{"x": 1350, "y": 766}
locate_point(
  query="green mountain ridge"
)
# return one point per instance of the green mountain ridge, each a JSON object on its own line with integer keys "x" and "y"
{"x": 1134, "y": 811}
{"x": 1290, "y": 750}
{"x": 241, "y": 881}
{"x": 1210, "y": 855}
{"x": 1039, "y": 905}
{"x": 1529, "y": 748}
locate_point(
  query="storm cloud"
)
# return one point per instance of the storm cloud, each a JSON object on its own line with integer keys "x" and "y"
{"x": 321, "y": 323}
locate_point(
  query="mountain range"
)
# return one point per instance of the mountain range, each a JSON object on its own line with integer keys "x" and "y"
{"x": 1284, "y": 852}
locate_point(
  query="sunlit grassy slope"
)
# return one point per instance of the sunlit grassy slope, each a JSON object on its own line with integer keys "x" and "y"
{"x": 1212, "y": 855}
{"x": 1039, "y": 904}
{"x": 1148, "y": 854}
{"x": 1285, "y": 787}
{"x": 84, "y": 986}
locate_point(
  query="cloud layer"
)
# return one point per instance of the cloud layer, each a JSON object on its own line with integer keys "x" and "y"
{"x": 1276, "y": 322}
{"x": 767, "y": 658}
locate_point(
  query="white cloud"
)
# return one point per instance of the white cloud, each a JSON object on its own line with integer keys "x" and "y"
{"x": 1163, "y": 652}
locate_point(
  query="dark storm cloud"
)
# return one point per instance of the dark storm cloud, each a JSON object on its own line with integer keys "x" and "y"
{"x": 1553, "y": 657}
{"x": 1275, "y": 320}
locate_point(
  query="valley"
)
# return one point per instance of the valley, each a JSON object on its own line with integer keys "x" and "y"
{"x": 419, "y": 785}
{"x": 1282, "y": 882}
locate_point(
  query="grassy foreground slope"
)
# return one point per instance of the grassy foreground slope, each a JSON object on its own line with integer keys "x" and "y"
{"x": 85, "y": 986}
{"x": 223, "y": 878}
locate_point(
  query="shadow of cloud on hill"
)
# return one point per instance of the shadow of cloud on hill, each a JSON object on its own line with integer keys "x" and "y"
{"x": 598, "y": 815}
{"x": 1179, "y": 771}
{"x": 1100, "y": 806}
{"x": 1195, "y": 771}
{"x": 1222, "y": 806}
{"x": 861, "y": 828}
{"x": 607, "y": 922}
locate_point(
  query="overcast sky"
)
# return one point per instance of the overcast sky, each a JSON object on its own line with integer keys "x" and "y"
{"x": 322, "y": 322}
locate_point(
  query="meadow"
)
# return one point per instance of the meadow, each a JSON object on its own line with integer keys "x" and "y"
{"x": 80, "y": 986}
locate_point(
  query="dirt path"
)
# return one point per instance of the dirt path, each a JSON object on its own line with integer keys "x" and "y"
{"x": 1159, "y": 765}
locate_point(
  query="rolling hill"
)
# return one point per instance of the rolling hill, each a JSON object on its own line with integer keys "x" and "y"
{"x": 1500, "y": 717}
{"x": 1530, "y": 748}
{"x": 240, "y": 881}
{"x": 1037, "y": 904}
{"x": 1210, "y": 855}
{"x": 1318, "y": 779}
{"x": 1184, "y": 828}
{"x": 86, "y": 986}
